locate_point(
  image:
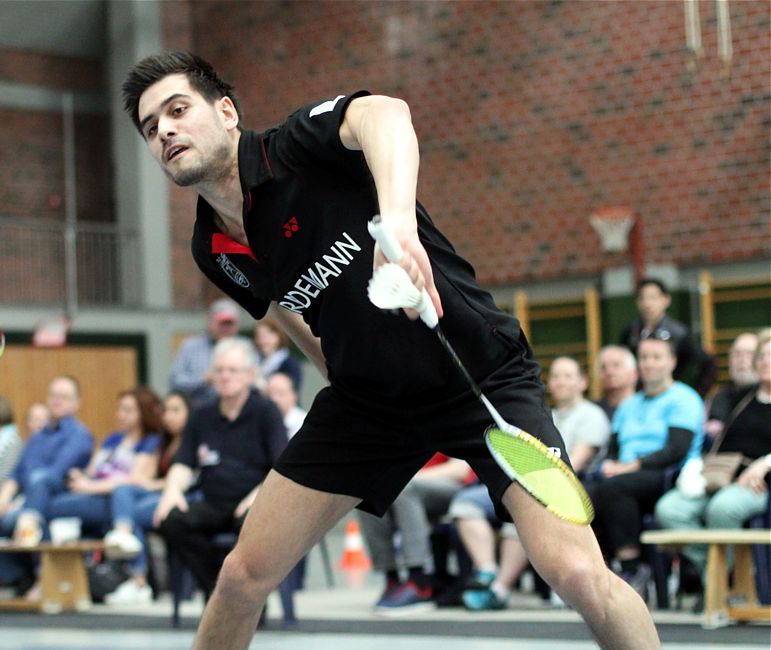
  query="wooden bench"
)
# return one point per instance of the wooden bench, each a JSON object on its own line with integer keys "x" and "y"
{"x": 63, "y": 579}
{"x": 722, "y": 606}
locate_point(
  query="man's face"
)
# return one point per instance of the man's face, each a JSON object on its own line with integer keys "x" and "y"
{"x": 615, "y": 371}
{"x": 62, "y": 398}
{"x": 652, "y": 303}
{"x": 566, "y": 384}
{"x": 656, "y": 361}
{"x": 220, "y": 328}
{"x": 232, "y": 375}
{"x": 279, "y": 389}
{"x": 185, "y": 133}
{"x": 740, "y": 365}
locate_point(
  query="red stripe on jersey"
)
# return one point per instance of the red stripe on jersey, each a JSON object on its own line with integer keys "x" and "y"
{"x": 223, "y": 244}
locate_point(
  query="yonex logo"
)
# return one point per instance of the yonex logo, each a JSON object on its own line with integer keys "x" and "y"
{"x": 291, "y": 227}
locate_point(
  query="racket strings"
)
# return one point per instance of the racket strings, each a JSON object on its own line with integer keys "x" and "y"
{"x": 542, "y": 474}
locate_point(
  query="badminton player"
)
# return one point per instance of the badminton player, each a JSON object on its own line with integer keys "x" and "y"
{"x": 281, "y": 227}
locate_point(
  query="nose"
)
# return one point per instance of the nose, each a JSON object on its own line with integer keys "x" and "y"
{"x": 166, "y": 129}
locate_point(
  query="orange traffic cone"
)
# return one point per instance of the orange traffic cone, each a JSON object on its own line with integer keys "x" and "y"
{"x": 354, "y": 556}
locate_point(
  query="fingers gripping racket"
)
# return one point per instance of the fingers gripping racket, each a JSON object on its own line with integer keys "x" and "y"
{"x": 523, "y": 458}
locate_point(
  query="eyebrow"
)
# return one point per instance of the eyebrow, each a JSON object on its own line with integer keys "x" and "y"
{"x": 164, "y": 103}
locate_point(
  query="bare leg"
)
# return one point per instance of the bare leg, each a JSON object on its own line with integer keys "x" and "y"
{"x": 283, "y": 524}
{"x": 478, "y": 538}
{"x": 569, "y": 559}
{"x": 513, "y": 562}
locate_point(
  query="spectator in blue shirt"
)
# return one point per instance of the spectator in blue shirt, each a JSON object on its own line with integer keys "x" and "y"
{"x": 127, "y": 457}
{"x": 655, "y": 430}
{"x": 41, "y": 472}
{"x": 189, "y": 373}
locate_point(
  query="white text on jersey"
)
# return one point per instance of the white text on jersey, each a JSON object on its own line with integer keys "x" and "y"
{"x": 316, "y": 278}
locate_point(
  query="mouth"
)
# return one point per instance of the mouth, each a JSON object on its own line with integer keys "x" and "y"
{"x": 175, "y": 152}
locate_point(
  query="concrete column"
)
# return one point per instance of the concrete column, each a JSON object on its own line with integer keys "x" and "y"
{"x": 141, "y": 192}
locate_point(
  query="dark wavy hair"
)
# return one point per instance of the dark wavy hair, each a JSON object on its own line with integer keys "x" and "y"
{"x": 150, "y": 408}
{"x": 200, "y": 74}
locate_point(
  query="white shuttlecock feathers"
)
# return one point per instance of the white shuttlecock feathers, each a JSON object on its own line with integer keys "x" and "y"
{"x": 391, "y": 288}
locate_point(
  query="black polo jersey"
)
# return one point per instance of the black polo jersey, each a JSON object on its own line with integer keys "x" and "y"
{"x": 234, "y": 456}
{"x": 307, "y": 201}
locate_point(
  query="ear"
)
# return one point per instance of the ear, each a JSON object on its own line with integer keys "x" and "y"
{"x": 228, "y": 112}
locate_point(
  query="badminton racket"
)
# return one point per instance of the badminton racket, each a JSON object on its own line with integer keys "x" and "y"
{"x": 524, "y": 458}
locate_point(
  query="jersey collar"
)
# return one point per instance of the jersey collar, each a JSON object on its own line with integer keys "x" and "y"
{"x": 253, "y": 166}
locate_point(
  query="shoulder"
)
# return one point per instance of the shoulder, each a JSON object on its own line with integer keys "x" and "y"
{"x": 590, "y": 409}
{"x": 149, "y": 444}
{"x": 112, "y": 440}
{"x": 75, "y": 427}
{"x": 682, "y": 392}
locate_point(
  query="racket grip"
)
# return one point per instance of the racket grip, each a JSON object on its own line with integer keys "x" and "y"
{"x": 392, "y": 249}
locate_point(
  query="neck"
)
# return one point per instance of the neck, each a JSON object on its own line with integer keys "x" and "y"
{"x": 650, "y": 323}
{"x": 569, "y": 403}
{"x": 230, "y": 407}
{"x": 653, "y": 389}
{"x": 764, "y": 390}
{"x": 614, "y": 396}
{"x": 223, "y": 192}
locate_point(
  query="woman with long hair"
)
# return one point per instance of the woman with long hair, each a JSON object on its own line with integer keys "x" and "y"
{"x": 137, "y": 500}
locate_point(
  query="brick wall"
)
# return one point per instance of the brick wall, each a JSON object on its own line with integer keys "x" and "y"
{"x": 533, "y": 114}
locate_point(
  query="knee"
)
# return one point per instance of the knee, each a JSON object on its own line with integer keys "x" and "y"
{"x": 583, "y": 583}
{"x": 245, "y": 577}
{"x": 42, "y": 477}
{"x": 721, "y": 512}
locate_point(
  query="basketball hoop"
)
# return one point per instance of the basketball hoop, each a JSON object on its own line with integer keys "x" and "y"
{"x": 613, "y": 226}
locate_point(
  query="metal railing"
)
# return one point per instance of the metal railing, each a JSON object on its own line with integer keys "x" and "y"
{"x": 36, "y": 261}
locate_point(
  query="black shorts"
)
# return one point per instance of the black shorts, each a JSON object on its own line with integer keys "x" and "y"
{"x": 349, "y": 445}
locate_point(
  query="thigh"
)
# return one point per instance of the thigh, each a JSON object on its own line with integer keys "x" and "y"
{"x": 516, "y": 391}
{"x": 204, "y": 517}
{"x": 733, "y": 505}
{"x": 361, "y": 449}
{"x": 93, "y": 509}
{"x": 552, "y": 545}
{"x": 285, "y": 521}
{"x": 674, "y": 506}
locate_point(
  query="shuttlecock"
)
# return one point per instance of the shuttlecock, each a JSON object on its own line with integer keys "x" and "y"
{"x": 391, "y": 288}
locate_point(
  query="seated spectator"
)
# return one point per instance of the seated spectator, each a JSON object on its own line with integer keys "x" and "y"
{"x": 491, "y": 583}
{"x": 137, "y": 500}
{"x": 585, "y": 430}
{"x": 48, "y": 456}
{"x": 193, "y": 358}
{"x": 694, "y": 366}
{"x": 127, "y": 456}
{"x": 414, "y": 513}
{"x": 273, "y": 353}
{"x": 10, "y": 442}
{"x": 280, "y": 388}
{"x": 741, "y": 370}
{"x": 37, "y": 417}
{"x": 617, "y": 369}
{"x": 233, "y": 442}
{"x": 39, "y": 475}
{"x": 656, "y": 429}
{"x": 747, "y": 431}
{"x": 584, "y": 426}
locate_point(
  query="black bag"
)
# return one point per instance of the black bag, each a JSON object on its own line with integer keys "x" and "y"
{"x": 105, "y": 577}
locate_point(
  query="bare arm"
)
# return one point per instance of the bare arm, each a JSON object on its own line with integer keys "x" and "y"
{"x": 179, "y": 479}
{"x": 300, "y": 333}
{"x": 381, "y": 127}
{"x": 580, "y": 455}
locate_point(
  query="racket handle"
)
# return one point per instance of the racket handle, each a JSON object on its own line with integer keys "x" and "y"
{"x": 392, "y": 249}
